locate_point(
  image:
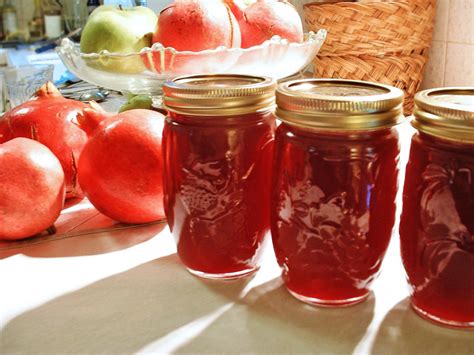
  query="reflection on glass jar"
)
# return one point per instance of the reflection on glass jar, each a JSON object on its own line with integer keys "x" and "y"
{"x": 437, "y": 222}
{"x": 334, "y": 186}
{"x": 218, "y": 148}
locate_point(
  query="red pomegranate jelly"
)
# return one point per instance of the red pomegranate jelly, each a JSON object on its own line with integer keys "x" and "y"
{"x": 334, "y": 186}
{"x": 437, "y": 222}
{"x": 218, "y": 146}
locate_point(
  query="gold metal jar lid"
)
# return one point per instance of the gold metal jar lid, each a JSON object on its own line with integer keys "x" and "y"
{"x": 337, "y": 104}
{"x": 446, "y": 112}
{"x": 218, "y": 95}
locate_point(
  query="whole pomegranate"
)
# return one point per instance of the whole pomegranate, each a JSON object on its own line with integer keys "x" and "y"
{"x": 31, "y": 188}
{"x": 120, "y": 169}
{"x": 195, "y": 25}
{"x": 47, "y": 118}
{"x": 264, "y": 19}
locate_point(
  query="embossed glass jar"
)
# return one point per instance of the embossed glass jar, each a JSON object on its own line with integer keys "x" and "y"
{"x": 334, "y": 186}
{"x": 437, "y": 221}
{"x": 218, "y": 148}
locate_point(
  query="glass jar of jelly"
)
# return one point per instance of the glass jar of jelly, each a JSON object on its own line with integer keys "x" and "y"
{"x": 218, "y": 148}
{"x": 437, "y": 221}
{"x": 334, "y": 186}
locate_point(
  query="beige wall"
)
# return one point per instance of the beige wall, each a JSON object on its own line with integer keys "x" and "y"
{"x": 452, "y": 53}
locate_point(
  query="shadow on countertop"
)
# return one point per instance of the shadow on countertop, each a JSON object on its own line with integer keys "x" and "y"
{"x": 120, "y": 314}
{"x": 159, "y": 307}
{"x": 93, "y": 241}
{"x": 404, "y": 332}
{"x": 268, "y": 320}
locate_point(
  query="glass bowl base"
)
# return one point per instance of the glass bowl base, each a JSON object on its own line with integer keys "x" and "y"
{"x": 225, "y": 276}
{"x": 441, "y": 321}
{"x": 329, "y": 303}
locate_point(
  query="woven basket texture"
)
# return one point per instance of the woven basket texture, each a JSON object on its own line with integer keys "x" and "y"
{"x": 379, "y": 41}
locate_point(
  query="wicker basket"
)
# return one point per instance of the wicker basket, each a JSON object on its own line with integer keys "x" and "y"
{"x": 385, "y": 42}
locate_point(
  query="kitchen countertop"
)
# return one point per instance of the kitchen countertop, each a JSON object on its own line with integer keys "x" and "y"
{"x": 101, "y": 287}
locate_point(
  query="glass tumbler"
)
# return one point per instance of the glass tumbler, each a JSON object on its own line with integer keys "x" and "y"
{"x": 218, "y": 148}
{"x": 75, "y": 14}
{"x": 334, "y": 186}
{"x": 437, "y": 221}
{"x": 22, "y": 82}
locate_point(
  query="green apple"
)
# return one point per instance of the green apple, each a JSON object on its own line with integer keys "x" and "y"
{"x": 137, "y": 101}
{"x": 118, "y": 30}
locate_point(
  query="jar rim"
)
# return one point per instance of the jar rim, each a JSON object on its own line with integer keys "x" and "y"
{"x": 446, "y": 113}
{"x": 214, "y": 95}
{"x": 339, "y": 104}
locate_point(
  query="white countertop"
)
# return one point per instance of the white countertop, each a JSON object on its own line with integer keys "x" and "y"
{"x": 89, "y": 290}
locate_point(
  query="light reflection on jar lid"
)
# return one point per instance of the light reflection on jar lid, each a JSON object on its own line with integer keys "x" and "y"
{"x": 446, "y": 112}
{"x": 219, "y": 95}
{"x": 337, "y": 104}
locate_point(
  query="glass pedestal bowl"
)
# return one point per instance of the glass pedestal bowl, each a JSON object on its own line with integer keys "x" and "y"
{"x": 145, "y": 72}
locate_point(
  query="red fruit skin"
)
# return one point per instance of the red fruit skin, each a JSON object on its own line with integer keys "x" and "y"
{"x": 263, "y": 20}
{"x": 193, "y": 25}
{"x": 31, "y": 188}
{"x": 120, "y": 169}
{"x": 47, "y": 119}
{"x": 237, "y": 7}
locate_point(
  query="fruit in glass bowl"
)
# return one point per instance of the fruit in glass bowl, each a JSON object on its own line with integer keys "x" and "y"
{"x": 262, "y": 20}
{"x": 197, "y": 25}
{"x": 118, "y": 30}
{"x": 198, "y": 37}
{"x": 276, "y": 58}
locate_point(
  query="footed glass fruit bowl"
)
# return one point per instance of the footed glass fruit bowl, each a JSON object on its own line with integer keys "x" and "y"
{"x": 144, "y": 72}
